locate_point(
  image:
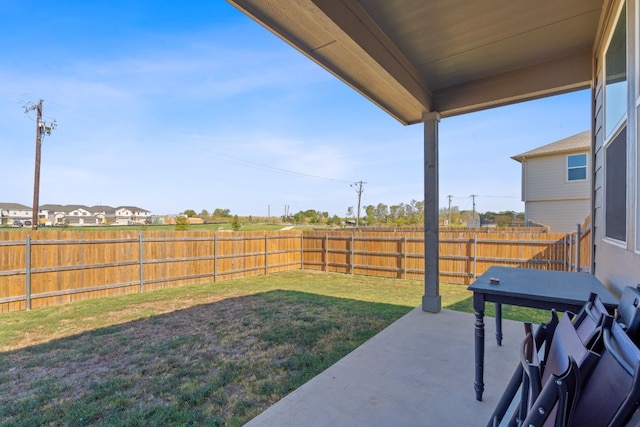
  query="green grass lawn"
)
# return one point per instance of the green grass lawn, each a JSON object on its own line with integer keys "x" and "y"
{"x": 211, "y": 354}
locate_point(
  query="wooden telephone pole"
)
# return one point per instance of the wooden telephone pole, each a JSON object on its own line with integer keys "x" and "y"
{"x": 359, "y": 190}
{"x": 36, "y": 180}
{"x": 41, "y": 129}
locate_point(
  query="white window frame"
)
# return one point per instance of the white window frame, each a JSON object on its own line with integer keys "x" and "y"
{"x": 585, "y": 167}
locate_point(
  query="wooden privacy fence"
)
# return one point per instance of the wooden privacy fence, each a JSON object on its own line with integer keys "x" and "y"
{"x": 463, "y": 254}
{"x": 45, "y": 268}
{"x": 59, "y": 267}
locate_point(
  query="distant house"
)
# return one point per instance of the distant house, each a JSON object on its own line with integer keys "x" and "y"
{"x": 72, "y": 215}
{"x": 105, "y": 214}
{"x": 131, "y": 214}
{"x": 81, "y": 215}
{"x": 556, "y": 183}
{"x": 10, "y": 212}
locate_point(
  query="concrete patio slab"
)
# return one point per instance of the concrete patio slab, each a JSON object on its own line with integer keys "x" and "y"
{"x": 417, "y": 372}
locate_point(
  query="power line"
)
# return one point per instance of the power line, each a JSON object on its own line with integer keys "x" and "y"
{"x": 263, "y": 166}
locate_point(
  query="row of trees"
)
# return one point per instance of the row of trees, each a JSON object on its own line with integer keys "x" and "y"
{"x": 411, "y": 213}
{"x": 401, "y": 214}
{"x": 457, "y": 217}
{"x": 205, "y": 215}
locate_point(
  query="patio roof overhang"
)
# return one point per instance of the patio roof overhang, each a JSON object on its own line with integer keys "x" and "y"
{"x": 410, "y": 57}
{"x": 420, "y": 60}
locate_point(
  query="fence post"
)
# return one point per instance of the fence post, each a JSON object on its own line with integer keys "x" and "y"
{"x": 404, "y": 249}
{"x": 326, "y": 252}
{"x": 28, "y": 271}
{"x": 352, "y": 254}
{"x": 578, "y": 238}
{"x": 475, "y": 257}
{"x": 564, "y": 253}
{"x": 266, "y": 254}
{"x": 571, "y": 252}
{"x": 215, "y": 257}
{"x": 141, "y": 263}
{"x": 301, "y": 251}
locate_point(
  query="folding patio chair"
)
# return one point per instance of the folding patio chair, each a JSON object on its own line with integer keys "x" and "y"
{"x": 587, "y": 319}
{"x": 607, "y": 394}
{"x": 585, "y": 323}
{"x": 568, "y": 355}
{"x": 543, "y": 335}
{"x": 628, "y": 313}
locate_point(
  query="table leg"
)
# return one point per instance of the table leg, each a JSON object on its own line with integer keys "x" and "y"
{"x": 499, "y": 323}
{"x": 478, "y": 307}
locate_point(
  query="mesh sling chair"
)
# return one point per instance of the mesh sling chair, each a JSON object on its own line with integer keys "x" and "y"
{"x": 628, "y": 313}
{"x": 585, "y": 322}
{"x": 607, "y": 395}
{"x": 567, "y": 357}
{"x": 542, "y": 336}
{"x": 586, "y": 325}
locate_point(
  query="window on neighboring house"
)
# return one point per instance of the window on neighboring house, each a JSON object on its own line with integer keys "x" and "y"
{"x": 615, "y": 148}
{"x": 577, "y": 167}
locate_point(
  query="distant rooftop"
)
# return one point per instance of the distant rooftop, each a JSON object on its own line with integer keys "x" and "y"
{"x": 13, "y": 207}
{"x": 578, "y": 142}
{"x": 68, "y": 208}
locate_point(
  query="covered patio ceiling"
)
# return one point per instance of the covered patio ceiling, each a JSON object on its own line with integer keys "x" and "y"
{"x": 451, "y": 56}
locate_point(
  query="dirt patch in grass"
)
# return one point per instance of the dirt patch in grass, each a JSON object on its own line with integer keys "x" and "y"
{"x": 219, "y": 363}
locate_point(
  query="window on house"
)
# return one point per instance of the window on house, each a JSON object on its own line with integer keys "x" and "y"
{"x": 616, "y": 187}
{"x": 615, "y": 149}
{"x": 577, "y": 167}
{"x": 616, "y": 76}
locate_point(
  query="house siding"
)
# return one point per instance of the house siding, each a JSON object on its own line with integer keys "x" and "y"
{"x": 616, "y": 264}
{"x": 546, "y": 179}
{"x": 561, "y": 216}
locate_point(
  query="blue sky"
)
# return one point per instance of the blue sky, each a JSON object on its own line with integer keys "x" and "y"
{"x": 191, "y": 105}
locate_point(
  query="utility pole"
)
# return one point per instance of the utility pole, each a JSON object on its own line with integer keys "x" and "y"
{"x": 359, "y": 190}
{"x": 450, "y": 197}
{"x": 473, "y": 197}
{"x": 41, "y": 129}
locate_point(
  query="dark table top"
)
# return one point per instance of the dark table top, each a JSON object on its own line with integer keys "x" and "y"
{"x": 543, "y": 285}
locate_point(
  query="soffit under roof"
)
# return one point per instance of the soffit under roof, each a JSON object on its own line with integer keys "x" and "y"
{"x": 451, "y": 56}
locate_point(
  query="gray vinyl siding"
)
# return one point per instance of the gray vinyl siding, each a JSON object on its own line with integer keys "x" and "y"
{"x": 616, "y": 264}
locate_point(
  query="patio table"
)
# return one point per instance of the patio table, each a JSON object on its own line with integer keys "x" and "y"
{"x": 545, "y": 289}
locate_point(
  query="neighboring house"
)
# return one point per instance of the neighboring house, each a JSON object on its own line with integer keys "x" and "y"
{"x": 72, "y": 215}
{"x": 131, "y": 214}
{"x": 106, "y": 214}
{"x": 10, "y": 212}
{"x": 80, "y": 215}
{"x": 55, "y": 213}
{"x": 405, "y": 58}
{"x": 556, "y": 189}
